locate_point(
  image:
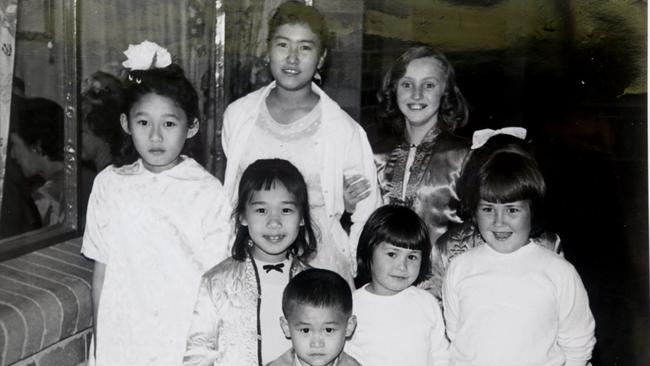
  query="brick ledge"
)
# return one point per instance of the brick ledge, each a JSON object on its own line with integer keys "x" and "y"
{"x": 45, "y": 298}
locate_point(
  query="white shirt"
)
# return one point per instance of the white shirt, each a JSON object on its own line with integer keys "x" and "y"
{"x": 272, "y": 283}
{"x": 527, "y": 307}
{"x": 344, "y": 150}
{"x": 402, "y": 329}
{"x": 157, "y": 234}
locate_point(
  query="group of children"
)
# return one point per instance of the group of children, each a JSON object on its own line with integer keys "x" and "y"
{"x": 260, "y": 271}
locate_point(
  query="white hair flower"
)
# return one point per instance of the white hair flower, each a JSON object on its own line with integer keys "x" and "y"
{"x": 146, "y": 55}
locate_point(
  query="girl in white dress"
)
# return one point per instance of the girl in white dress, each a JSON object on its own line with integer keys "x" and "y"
{"x": 155, "y": 222}
{"x": 397, "y": 323}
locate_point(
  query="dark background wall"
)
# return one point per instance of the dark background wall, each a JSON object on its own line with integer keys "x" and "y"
{"x": 574, "y": 74}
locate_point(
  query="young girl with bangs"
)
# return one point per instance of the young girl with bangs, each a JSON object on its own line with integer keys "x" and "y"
{"x": 235, "y": 319}
{"x": 511, "y": 302}
{"x": 485, "y": 143}
{"x": 397, "y": 323}
{"x": 156, "y": 220}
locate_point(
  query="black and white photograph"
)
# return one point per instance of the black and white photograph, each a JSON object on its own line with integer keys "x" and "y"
{"x": 324, "y": 183}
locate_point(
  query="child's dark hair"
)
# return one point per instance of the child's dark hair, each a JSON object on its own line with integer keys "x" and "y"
{"x": 295, "y": 12}
{"x": 319, "y": 288}
{"x": 40, "y": 123}
{"x": 503, "y": 170}
{"x": 104, "y": 121}
{"x": 396, "y": 225}
{"x": 261, "y": 175}
{"x": 168, "y": 82}
{"x": 452, "y": 112}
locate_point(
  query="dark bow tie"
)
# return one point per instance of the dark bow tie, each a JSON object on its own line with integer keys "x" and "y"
{"x": 268, "y": 267}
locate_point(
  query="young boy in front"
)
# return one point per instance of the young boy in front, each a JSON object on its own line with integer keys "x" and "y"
{"x": 317, "y": 307}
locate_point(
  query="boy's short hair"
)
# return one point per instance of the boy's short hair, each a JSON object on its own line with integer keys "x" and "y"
{"x": 319, "y": 288}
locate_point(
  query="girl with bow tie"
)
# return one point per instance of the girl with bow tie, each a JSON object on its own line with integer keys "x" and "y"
{"x": 235, "y": 320}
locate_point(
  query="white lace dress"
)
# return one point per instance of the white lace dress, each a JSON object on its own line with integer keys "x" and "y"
{"x": 157, "y": 234}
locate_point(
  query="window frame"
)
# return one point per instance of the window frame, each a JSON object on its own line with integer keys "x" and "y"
{"x": 36, "y": 239}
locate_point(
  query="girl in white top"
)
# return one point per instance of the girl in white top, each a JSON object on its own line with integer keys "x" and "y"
{"x": 511, "y": 302}
{"x": 235, "y": 320}
{"x": 293, "y": 119}
{"x": 155, "y": 221}
{"x": 397, "y": 323}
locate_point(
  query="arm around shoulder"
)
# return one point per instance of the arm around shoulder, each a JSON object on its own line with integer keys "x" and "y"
{"x": 361, "y": 161}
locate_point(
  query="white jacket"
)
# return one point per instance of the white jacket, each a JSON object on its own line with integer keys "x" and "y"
{"x": 346, "y": 152}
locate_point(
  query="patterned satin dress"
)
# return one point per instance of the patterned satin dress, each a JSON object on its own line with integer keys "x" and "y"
{"x": 430, "y": 190}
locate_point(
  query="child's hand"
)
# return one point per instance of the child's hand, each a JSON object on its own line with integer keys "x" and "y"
{"x": 355, "y": 189}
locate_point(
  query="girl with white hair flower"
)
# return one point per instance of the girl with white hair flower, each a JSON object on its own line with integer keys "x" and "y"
{"x": 156, "y": 221}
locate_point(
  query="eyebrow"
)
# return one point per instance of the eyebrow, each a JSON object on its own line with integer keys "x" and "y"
{"x": 140, "y": 113}
{"x": 289, "y": 39}
{"x": 333, "y": 322}
{"x": 427, "y": 78}
{"x": 264, "y": 202}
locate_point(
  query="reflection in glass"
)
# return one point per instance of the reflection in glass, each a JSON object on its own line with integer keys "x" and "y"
{"x": 101, "y": 134}
{"x": 38, "y": 182}
{"x": 36, "y": 135}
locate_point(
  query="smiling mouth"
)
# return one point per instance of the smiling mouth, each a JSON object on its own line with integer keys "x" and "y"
{"x": 416, "y": 106}
{"x": 291, "y": 71}
{"x": 274, "y": 238}
{"x": 502, "y": 235}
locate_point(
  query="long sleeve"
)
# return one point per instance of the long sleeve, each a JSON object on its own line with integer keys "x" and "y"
{"x": 95, "y": 244}
{"x": 226, "y": 130}
{"x": 218, "y": 230}
{"x": 450, "y": 304}
{"x": 361, "y": 161}
{"x": 439, "y": 343}
{"x": 576, "y": 323}
{"x": 202, "y": 340}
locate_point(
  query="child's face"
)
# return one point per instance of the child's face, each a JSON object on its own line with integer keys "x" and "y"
{"x": 419, "y": 91}
{"x": 318, "y": 333}
{"x": 504, "y": 226}
{"x": 273, "y": 219}
{"x": 159, "y": 128}
{"x": 393, "y": 269}
{"x": 294, "y": 55}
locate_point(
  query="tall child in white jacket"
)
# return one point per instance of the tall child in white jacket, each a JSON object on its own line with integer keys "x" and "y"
{"x": 294, "y": 119}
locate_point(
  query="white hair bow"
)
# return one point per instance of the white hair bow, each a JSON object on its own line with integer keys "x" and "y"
{"x": 480, "y": 137}
{"x": 145, "y": 56}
